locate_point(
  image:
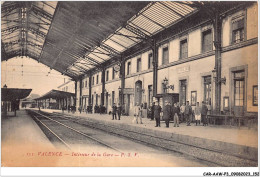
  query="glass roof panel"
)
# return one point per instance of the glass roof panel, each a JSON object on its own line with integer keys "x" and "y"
{"x": 146, "y": 24}
{"x": 99, "y": 53}
{"x": 114, "y": 45}
{"x": 79, "y": 42}
{"x": 96, "y": 58}
{"x": 122, "y": 40}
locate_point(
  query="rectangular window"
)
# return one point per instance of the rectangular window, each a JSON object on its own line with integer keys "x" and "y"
{"x": 207, "y": 41}
{"x": 128, "y": 68}
{"x": 183, "y": 49}
{"x": 96, "y": 99}
{"x": 97, "y": 80}
{"x": 93, "y": 80}
{"x": 165, "y": 57}
{"x": 238, "y": 30}
{"x": 207, "y": 89}
{"x": 239, "y": 93}
{"x": 107, "y": 75}
{"x": 150, "y": 60}
{"x": 86, "y": 84}
{"x": 82, "y": 84}
{"x": 113, "y": 97}
{"x": 113, "y": 73}
{"x": 138, "y": 67}
{"x": 239, "y": 87}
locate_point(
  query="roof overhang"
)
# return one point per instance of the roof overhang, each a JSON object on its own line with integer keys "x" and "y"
{"x": 74, "y": 37}
{"x": 13, "y": 94}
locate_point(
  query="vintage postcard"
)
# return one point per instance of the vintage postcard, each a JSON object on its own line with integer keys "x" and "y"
{"x": 130, "y": 84}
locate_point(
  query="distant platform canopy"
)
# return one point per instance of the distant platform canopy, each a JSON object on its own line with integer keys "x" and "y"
{"x": 13, "y": 94}
{"x": 55, "y": 94}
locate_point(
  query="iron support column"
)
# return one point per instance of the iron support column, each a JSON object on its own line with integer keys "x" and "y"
{"x": 103, "y": 86}
{"x": 89, "y": 89}
{"x": 76, "y": 90}
{"x": 155, "y": 67}
{"x": 122, "y": 76}
{"x": 80, "y": 92}
{"x": 217, "y": 43}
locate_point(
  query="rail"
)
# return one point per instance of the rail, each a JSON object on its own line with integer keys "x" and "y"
{"x": 77, "y": 131}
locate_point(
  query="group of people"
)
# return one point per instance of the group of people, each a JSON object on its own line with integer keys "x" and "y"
{"x": 168, "y": 113}
{"x": 176, "y": 112}
{"x": 200, "y": 113}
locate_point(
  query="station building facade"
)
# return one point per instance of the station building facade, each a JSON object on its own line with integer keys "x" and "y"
{"x": 186, "y": 66}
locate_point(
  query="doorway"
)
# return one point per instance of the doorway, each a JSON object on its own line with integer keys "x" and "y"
{"x": 138, "y": 92}
{"x": 106, "y": 104}
{"x": 183, "y": 91}
{"x": 239, "y": 93}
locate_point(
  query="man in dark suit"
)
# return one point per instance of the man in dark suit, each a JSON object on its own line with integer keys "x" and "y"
{"x": 167, "y": 113}
{"x": 204, "y": 111}
{"x": 157, "y": 111}
{"x": 119, "y": 108}
{"x": 152, "y": 111}
{"x": 114, "y": 108}
{"x": 187, "y": 113}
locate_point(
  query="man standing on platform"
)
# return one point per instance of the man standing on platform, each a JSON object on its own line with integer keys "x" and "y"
{"x": 187, "y": 113}
{"x": 167, "y": 113}
{"x": 182, "y": 109}
{"x": 157, "y": 111}
{"x": 119, "y": 108}
{"x": 176, "y": 112}
{"x": 114, "y": 108}
{"x": 204, "y": 111}
{"x": 152, "y": 111}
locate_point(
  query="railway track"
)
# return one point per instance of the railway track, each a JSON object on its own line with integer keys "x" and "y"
{"x": 47, "y": 125}
{"x": 209, "y": 156}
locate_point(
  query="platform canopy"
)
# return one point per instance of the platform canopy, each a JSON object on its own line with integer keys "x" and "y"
{"x": 24, "y": 27}
{"x": 55, "y": 94}
{"x": 13, "y": 94}
{"x": 74, "y": 37}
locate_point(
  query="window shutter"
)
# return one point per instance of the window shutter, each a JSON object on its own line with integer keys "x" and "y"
{"x": 165, "y": 56}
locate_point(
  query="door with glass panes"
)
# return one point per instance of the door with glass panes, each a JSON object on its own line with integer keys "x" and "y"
{"x": 239, "y": 93}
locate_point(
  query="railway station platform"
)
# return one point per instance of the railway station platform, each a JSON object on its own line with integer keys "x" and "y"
{"x": 21, "y": 137}
{"x": 228, "y": 146}
{"x": 226, "y": 134}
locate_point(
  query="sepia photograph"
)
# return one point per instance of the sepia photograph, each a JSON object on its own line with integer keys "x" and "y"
{"x": 130, "y": 84}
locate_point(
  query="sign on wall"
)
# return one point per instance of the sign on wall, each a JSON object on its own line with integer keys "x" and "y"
{"x": 183, "y": 69}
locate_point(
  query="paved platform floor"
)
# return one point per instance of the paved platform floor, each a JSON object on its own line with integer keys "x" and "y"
{"x": 20, "y": 137}
{"x": 24, "y": 144}
{"x": 235, "y": 135}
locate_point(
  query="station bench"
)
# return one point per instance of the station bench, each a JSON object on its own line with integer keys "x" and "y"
{"x": 232, "y": 120}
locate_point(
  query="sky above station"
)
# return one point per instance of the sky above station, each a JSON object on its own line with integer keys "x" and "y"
{"x": 24, "y": 72}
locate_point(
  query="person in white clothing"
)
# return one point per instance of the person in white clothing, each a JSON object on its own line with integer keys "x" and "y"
{"x": 197, "y": 113}
{"x": 182, "y": 109}
{"x": 138, "y": 113}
